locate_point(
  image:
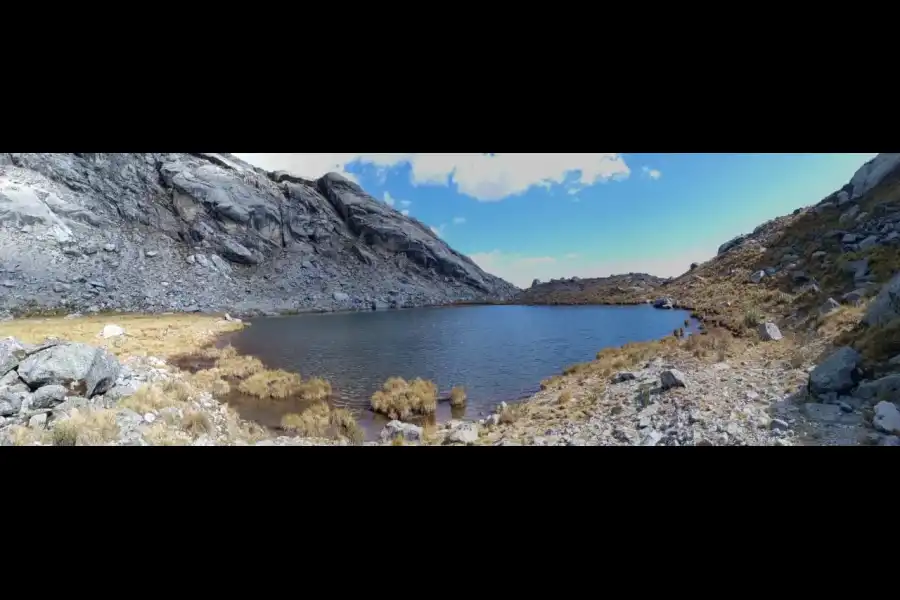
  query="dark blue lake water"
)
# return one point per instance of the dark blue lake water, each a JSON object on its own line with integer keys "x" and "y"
{"x": 497, "y": 352}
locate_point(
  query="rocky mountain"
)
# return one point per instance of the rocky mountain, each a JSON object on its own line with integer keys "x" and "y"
{"x": 615, "y": 289}
{"x": 209, "y": 232}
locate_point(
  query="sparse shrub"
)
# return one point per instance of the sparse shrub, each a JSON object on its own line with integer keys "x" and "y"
{"x": 564, "y": 397}
{"x": 510, "y": 414}
{"x": 197, "y": 423}
{"x": 458, "y": 396}
{"x": 399, "y": 399}
{"x": 280, "y": 384}
{"x": 345, "y": 425}
{"x": 231, "y": 364}
{"x": 694, "y": 266}
{"x": 752, "y": 317}
{"x": 86, "y": 427}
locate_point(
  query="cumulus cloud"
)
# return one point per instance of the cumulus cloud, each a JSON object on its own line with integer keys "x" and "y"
{"x": 485, "y": 177}
{"x": 652, "y": 173}
{"x": 521, "y": 270}
{"x": 404, "y": 212}
{"x": 459, "y": 220}
{"x": 439, "y": 230}
{"x": 388, "y": 199}
{"x": 405, "y": 203}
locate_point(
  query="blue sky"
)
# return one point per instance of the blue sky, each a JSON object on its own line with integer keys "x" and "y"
{"x": 526, "y": 216}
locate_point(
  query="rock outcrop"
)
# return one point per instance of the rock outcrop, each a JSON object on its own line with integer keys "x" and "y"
{"x": 187, "y": 232}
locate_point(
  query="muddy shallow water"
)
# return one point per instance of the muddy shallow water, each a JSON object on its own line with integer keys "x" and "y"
{"x": 496, "y": 352}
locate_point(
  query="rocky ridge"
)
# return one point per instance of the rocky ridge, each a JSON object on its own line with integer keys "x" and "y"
{"x": 636, "y": 287}
{"x": 208, "y": 232}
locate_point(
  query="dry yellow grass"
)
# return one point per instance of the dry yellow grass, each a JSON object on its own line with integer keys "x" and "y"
{"x": 159, "y": 434}
{"x": 280, "y": 384}
{"x": 163, "y": 336}
{"x": 399, "y": 399}
{"x": 565, "y": 397}
{"x": 321, "y": 421}
{"x": 458, "y": 396}
{"x": 86, "y": 427}
{"x": 197, "y": 423}
{"x": 19, "y": 435}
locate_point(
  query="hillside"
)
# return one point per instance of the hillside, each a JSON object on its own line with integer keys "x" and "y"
{"x": 208, "y": 232}
{"x": 616, "y": 289}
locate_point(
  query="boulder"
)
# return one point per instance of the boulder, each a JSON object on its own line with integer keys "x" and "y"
{"x": 886, "y": 387}
{"x": 672, "y": 378}
{"x": 769, "y": 332}
{"x": 838, "y": 373}
{"x": 84, "y": 369}
{"x": 48, "y": 396}
{"x": 407, "y": 431}
{"x": 757, "y": 276}
{"x": 11, "y": 352}
{"x": 829, "y": 306}
{"x": 886, "y": 305}
{"x": 873, "y": 172}
{"x": 621, "y": 377}
{"x": 464, "y": 433}
{"x": 887, "y": 418}
{"x": 869, "y": 242}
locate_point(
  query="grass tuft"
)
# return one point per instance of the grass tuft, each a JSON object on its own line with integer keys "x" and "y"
{"x": 399, "y": 399}
{"x": 458, "y": 396}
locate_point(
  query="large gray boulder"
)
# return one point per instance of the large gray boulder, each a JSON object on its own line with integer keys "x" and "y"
{"x": 838, "y": 373}
{"x": 873, "y": 172}
{"x": 886, "y": 306}
{"x": 886, "y": 387}
{"x": 84, "y": 370}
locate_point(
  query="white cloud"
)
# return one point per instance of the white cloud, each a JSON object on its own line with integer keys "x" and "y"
{"x": 521, "y": 270}
{"x": 404, "y": 212}
{"x": 388, "y": 200}
{"x": 459, "y": 220}
{"x": 652, "y": 173}
{"x": 405, "y": 203}
{"x": 484, "y": 177}
{"x": 439, "y": 230}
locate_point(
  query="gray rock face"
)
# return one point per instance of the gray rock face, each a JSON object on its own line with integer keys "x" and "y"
{"x": 232, "y": 236}
{"x": 84, "y": 369}
{"x": 873, "y": 172}
{"x": 886, "y": 305}
{"x": 837, "y": 373}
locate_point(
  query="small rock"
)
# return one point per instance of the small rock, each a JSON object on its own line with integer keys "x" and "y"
{"x": 622, "y": 377}
{"x": 340, "y": 297}
{"x": 150, "y": 253}
{"x": 465, "y": 433}
{"x": 38, "y": 421}
{"x": 782, "y": 442}
{"x": 407, "y": 431}
{"x": 757, "y": 276}
{"x": 111, "y": 331}
{"x": 829, "y": 306}
{"x": 149, "y": 417}
{"x": 109, "y": 247}
{"x": 651, "y": 438}
{"x": 672, "y": 378}
{"x": 779, "y": 424}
